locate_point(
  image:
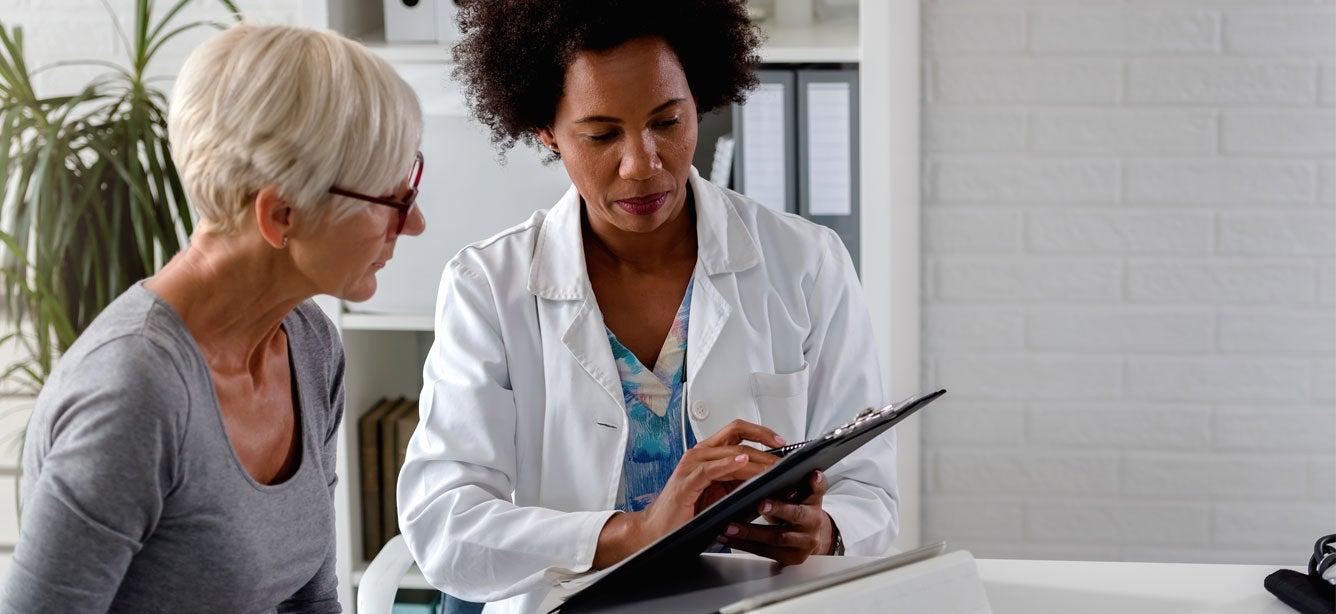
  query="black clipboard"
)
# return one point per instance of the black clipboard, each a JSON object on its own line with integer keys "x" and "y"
{"x": 786, "y": 481}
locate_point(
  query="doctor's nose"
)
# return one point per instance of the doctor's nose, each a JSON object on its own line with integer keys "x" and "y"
{"x": 640, "y": 158}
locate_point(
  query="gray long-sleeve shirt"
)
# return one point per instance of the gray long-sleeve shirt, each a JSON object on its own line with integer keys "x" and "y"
{"x": 134, "y": 499}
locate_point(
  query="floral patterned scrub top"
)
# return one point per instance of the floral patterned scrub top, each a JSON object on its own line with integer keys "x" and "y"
{"x": 658, "y": 434}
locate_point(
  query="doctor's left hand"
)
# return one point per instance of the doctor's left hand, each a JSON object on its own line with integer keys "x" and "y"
{"x": 797, "y": 530}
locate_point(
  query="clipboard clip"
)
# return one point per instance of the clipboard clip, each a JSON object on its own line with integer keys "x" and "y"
{"x": 846, "y": 428}
{"x": 867, "y": 415}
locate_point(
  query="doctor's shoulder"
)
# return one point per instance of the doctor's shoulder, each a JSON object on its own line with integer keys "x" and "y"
{"x": 506, "y": 254}
{"x": 787, "y": 241}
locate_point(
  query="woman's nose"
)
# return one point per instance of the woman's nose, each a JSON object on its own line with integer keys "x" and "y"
{"x": 640, "y": 160}
{"x": 416, "y": 223}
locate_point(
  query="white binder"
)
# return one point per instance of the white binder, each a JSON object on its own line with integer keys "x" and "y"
{"x": 765, "y": 153}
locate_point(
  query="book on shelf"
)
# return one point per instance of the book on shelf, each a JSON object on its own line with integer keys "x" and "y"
{"x": 382, "y": 438}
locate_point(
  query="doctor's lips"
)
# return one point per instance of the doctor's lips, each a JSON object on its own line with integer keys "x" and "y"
{"x": 643, "y": 205}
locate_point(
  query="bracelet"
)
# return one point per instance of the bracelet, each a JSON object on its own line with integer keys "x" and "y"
{"x": 837, "y": 545}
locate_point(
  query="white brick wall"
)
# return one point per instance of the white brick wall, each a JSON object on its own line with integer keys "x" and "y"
{"x": 61, "y": 30}
{"x": 1129, "y": 277}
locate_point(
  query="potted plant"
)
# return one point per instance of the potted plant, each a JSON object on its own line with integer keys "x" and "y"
{"x": 92, "y": 201}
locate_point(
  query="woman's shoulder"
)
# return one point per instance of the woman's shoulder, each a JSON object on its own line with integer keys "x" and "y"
{"x": 784, "y": 238}
{"x": 135, "y": 331}
{"x": 503, "y": 253}
{"x": 134, "y": 354}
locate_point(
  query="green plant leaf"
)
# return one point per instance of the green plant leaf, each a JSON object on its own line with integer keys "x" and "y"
{"x": 167, "y": 18}
{"x": 186, "y": 28}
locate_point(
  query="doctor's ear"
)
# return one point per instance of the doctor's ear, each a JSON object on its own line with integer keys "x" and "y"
{"x": 548, "y": 139}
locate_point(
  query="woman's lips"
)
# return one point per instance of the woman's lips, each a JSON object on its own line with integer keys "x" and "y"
{"x": 643, "y": 205}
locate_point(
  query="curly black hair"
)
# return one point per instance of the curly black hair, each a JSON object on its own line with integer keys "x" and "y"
{"x": 513, "y": 57}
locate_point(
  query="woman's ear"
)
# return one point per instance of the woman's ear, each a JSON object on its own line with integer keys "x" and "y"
{"x": 274, "y": 217}
{"x": 548, "y": 139}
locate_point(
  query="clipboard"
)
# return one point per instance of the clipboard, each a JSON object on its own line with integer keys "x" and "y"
{"x": 786, "y": 481}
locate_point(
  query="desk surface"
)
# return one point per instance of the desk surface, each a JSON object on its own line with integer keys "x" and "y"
{"x": 1022, "y": 586}
{"x": 1015, "y": 586}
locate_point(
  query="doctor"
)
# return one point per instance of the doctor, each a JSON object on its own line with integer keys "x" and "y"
{"x": 608, "y": 368}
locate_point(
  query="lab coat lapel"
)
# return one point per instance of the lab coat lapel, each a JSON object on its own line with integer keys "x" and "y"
{"x": 724, "y": 248}
{"x": 558, "y": 274}
{"x": 587, "y": 340}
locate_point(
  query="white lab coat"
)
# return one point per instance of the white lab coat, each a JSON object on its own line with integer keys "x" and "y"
{"x": 514, "y": 468}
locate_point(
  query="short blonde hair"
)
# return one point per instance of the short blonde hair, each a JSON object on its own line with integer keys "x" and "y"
{"x": 300, "y": 109}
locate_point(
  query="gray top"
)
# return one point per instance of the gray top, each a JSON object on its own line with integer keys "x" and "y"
{"x": 133, "y": 497}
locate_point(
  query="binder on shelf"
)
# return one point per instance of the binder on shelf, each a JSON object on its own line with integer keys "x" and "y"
{"x": 411, "y": 21}
{"x": 828, "y": 152}
{"x": 764, "y": 166}
{"x": 796, "y": 147}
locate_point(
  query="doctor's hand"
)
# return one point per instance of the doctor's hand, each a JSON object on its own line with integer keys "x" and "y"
{"x": 705, "y": 474}
{"x": 797, "y": 530}
{"x": 729, "y": 437}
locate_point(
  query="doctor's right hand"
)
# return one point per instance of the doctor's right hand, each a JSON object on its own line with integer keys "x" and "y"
{"x": 706, "y": 473}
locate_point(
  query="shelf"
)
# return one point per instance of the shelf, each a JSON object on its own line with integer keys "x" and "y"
{"x": 822, "y": 42}
{"x": 379, "y": 321}
{"x": 413, "y": 579}
{"x": 408, "y": 53}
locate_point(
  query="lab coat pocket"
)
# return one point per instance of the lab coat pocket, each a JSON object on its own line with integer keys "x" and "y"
{"x": 781, "y": 401}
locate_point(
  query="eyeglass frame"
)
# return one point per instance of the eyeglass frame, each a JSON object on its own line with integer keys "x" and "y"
{"x": 404, "y": 206}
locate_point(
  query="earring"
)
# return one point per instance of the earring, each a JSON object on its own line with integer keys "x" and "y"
{"x": 285, "y": 242}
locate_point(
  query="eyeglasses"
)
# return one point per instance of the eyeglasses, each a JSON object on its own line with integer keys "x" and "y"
{"x": 405, "y": 206}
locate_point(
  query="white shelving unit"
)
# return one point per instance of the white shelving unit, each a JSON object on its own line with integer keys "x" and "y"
{"x": 385, "y": 322}
{"x": 385, "y": 352}
{"x": 823, "y": 42}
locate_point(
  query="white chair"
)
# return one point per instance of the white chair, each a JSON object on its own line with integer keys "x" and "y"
{"x": 375, "y": 593}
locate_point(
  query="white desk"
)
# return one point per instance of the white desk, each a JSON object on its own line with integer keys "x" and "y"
{"x": 1089, "y": 587}
{"x": 1016, "y": 586}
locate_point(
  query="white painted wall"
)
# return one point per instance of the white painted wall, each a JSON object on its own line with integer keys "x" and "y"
{"x": 1128, "y": 273}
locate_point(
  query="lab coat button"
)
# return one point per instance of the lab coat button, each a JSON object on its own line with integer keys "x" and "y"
{"x": 699, "y": 411}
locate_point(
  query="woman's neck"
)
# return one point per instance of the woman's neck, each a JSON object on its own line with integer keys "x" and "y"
{"x": 232, "y": 293}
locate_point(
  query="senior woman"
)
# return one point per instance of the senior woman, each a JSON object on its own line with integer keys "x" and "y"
{"x": 606, "y": 369}
{"x": 181, "y": 457}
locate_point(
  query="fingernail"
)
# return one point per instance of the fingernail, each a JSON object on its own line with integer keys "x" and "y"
{"x": 741, "y": 458}
{"x": 765, "y": 508}
{"x": 731, "y": 530}
{"x": 781, "y": 440}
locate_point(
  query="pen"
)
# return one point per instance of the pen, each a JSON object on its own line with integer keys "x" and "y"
{"x": 786, "y": 450}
